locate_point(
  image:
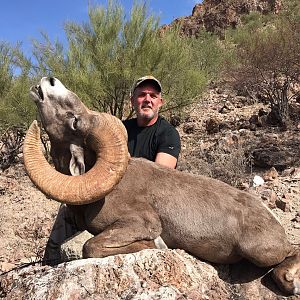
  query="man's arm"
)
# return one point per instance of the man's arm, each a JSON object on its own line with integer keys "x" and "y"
{"x": 166, "y": 160}
{"x": 168, "y": 146}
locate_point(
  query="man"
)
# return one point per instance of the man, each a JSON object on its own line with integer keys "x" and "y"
{"x": 149, "y": 135}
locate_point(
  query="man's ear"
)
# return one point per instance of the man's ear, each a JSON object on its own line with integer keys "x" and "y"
{"x": 77, "y": 166}
{"x": 162, "y": 102}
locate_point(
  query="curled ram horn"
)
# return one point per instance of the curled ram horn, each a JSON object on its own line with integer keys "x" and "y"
{"x": 109, "y": 142}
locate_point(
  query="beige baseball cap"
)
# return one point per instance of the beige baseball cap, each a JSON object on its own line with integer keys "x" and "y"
{"x": 143, "y": 79}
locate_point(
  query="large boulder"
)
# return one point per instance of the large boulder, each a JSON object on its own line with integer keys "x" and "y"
{"x": 273, "y": 156}
{"x": 148, "y": 274}
{"x": 71, "y": 249}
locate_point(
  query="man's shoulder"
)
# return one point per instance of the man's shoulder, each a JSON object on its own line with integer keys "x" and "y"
{"x": 164, "y": 125}
{"x": 130, "y": 123}
{"x": 168, "y": 138}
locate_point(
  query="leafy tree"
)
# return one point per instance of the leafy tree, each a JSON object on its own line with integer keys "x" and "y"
{"x": 291, "y": 10}
{"x": 109, "y": 52}
{"x": 210, "y": 54}
{"x": 48, "y": 57}
{"x": 6, "y": 71}
{"x": 15, "y": 108}
{"x": 268, "y": 63}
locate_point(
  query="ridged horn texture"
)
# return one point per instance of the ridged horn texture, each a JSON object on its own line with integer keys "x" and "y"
{"x": 109, "y": 141}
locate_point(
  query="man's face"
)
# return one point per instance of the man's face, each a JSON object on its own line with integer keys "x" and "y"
{"x": 146, "y": 101}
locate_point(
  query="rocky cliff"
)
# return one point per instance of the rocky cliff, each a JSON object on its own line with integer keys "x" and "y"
{"x": 217, "y": 15}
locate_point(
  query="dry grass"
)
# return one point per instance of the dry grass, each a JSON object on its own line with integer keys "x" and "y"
{"x": 229, "y": 165}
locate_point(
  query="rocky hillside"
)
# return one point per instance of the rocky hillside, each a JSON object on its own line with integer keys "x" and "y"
{"x": 217, "y": 15}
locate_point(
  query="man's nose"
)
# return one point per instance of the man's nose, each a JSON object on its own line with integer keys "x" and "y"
{"x": 147, "y": 97}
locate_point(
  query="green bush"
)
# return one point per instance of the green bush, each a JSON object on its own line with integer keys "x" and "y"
{"x": 111, "y": 50}
{"x": 268, "y": 63}
{"x": 15, "y": 107}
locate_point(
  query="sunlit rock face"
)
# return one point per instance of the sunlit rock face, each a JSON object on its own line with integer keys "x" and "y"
{"x": 217, "y": 15}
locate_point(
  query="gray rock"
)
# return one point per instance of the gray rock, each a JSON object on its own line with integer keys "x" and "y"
{"x": 71, "y": 249}
{"x": 148, "y": 274}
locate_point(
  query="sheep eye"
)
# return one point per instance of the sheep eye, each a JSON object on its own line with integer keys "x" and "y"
{"x": 75, "y": 123}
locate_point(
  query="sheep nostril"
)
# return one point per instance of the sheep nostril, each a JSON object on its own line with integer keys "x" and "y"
{"x": 40, "y": 91}
{"x": 52, "y": 80}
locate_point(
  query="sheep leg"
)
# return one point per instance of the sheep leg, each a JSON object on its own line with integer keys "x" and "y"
{"x": 124, "y": 236}
{"x": 64, "y": 227}
{"x": 91, "y": 249}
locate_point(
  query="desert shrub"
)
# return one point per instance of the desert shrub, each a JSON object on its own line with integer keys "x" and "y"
{"x": 267, "y": 62}
{"x": 6, "y": 76}
{"x": 15, "y": 107}
{"x": 11, "y": 141}
{"x": 210, "y": 54}
{"x": 231, "y": 165}
{"x": 16, "y": 111}
{"x": 291, "y": 10}
{"x": 106, "y": 54}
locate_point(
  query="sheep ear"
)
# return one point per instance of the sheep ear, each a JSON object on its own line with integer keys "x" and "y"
{"x": 77, "y": 166}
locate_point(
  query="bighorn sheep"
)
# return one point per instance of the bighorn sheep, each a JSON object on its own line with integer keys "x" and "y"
{"x": 127, "y": 202}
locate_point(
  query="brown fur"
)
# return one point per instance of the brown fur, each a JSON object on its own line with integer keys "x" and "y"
{"x": 201, "y": 215}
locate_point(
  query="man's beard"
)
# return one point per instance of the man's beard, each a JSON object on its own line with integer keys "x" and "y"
{"x": 147, "y": 116}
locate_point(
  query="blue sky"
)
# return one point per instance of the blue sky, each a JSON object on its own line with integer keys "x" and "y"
{"x": 23, "y": 20}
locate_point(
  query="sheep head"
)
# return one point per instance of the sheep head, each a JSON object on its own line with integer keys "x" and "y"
{"x": 75, "y": 133}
